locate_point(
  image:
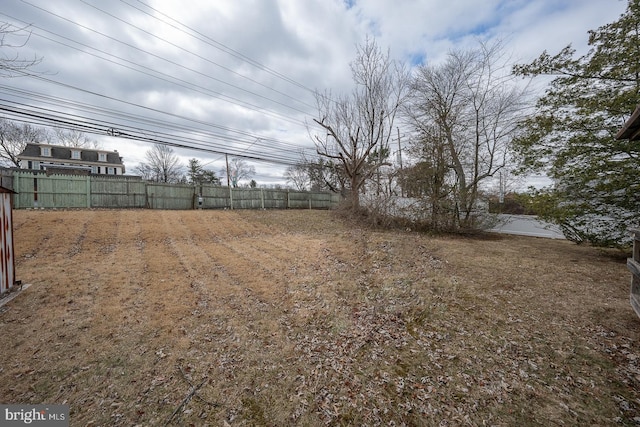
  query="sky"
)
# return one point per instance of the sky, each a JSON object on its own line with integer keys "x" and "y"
{"x": 238, "y": 76}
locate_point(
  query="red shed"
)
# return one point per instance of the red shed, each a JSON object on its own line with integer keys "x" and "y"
{"x": 7, "y": 260}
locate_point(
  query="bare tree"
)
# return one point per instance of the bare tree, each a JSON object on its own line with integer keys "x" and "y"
{"x": 74, "y": 138}
{"x": 145, "y": 171}
{"x": 11, "y": 39}
{"x": 323, "y": 174}
{"x": 470, "y": 105}
{"x": 360, "y": 123}
{"x": 239, "y": 170}
{"x": 162, "y": 165}
{"x": 14, "y": 138}
{"x": 298, "y": 176}
{"x": 431, "y": 179}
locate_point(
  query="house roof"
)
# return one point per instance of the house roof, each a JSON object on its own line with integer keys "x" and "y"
{"x": 59, "y": 152}
{"x": 631, "y": 128}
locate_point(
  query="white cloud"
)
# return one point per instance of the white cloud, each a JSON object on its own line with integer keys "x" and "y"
{"x": 310, "y": 43}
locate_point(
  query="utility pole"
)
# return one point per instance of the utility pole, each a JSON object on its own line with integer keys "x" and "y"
{"x": 226, "y": 158}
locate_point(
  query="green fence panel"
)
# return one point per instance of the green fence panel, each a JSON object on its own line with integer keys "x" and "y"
{"x": 63, "y": 191}
{"x": 118, "y": 192}
{"x": 299, "y": 200}
{"x": 23, "y": 186}
{"x": 247, "y": 198}
{"x": 275, "y": 199}
{"x": 214, "y": 196}
{"x": 39, "y": 190}
{"x": 170, "y": 196}
{"x": 310, "y": 200}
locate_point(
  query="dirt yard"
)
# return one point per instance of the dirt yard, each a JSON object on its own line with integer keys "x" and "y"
{"x": 295, "y": 318}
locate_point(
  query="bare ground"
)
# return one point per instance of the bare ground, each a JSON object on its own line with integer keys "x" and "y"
{"x": 295, "y": 318}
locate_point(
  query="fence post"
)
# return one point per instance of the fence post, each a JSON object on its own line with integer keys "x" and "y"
{"x": 231, "y": 198}
{"x": 262, "y": 197}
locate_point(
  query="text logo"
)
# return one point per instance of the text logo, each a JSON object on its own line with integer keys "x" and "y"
{"x": 34, "y": 415}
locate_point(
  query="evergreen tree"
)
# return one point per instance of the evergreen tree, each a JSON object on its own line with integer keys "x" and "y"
{"x": 572, "y": 137}
{"x": 197, "y": 174}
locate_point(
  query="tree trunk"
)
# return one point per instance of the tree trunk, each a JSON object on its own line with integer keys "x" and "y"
{"x": 355, "y": 193}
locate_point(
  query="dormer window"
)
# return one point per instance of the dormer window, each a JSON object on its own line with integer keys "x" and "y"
{"x": 102, "y": 157}
{"x": 45, "y": 151}
{"x": 75, "y": 154}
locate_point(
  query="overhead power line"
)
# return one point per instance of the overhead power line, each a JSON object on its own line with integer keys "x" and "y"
{"x": 180, "y": 131}
{"x": 84, "y": 124}
{"x": 146, "y": 52}
{"x": 222, "y": 47}
{"x": 205, "y": 39}
{"x": 154, "y": 110}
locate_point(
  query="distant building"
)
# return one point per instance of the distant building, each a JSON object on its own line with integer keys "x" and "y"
{"x": 52, "y": 158}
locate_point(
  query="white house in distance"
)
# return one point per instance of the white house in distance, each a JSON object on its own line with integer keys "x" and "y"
{"x": 83, "y": 160}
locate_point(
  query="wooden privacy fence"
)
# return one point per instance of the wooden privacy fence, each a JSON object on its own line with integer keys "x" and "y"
{"x": 37, "y": 189}
{"x": 125, "y": 193}
{"x": 633, "y": 264}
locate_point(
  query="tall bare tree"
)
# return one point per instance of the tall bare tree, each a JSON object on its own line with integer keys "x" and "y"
{"x": 360, "y": 123}
{"x": 298, "y": 176}
{"x": 11, "y": 39}
{"x": 471, "y": 105}
{"x": 431, "y": 180}
{"x": 162, "y": 165}
{"x": 322, "y": 174}
{"x": 15, "y": 136}
{"x": 239, "y": 170}
{"x": 74, "y": 138}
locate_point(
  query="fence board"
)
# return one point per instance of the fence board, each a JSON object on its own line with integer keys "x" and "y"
{"x": 6, "y": 178}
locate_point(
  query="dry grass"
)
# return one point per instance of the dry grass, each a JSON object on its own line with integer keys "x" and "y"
{"x": 293, "y": 318}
